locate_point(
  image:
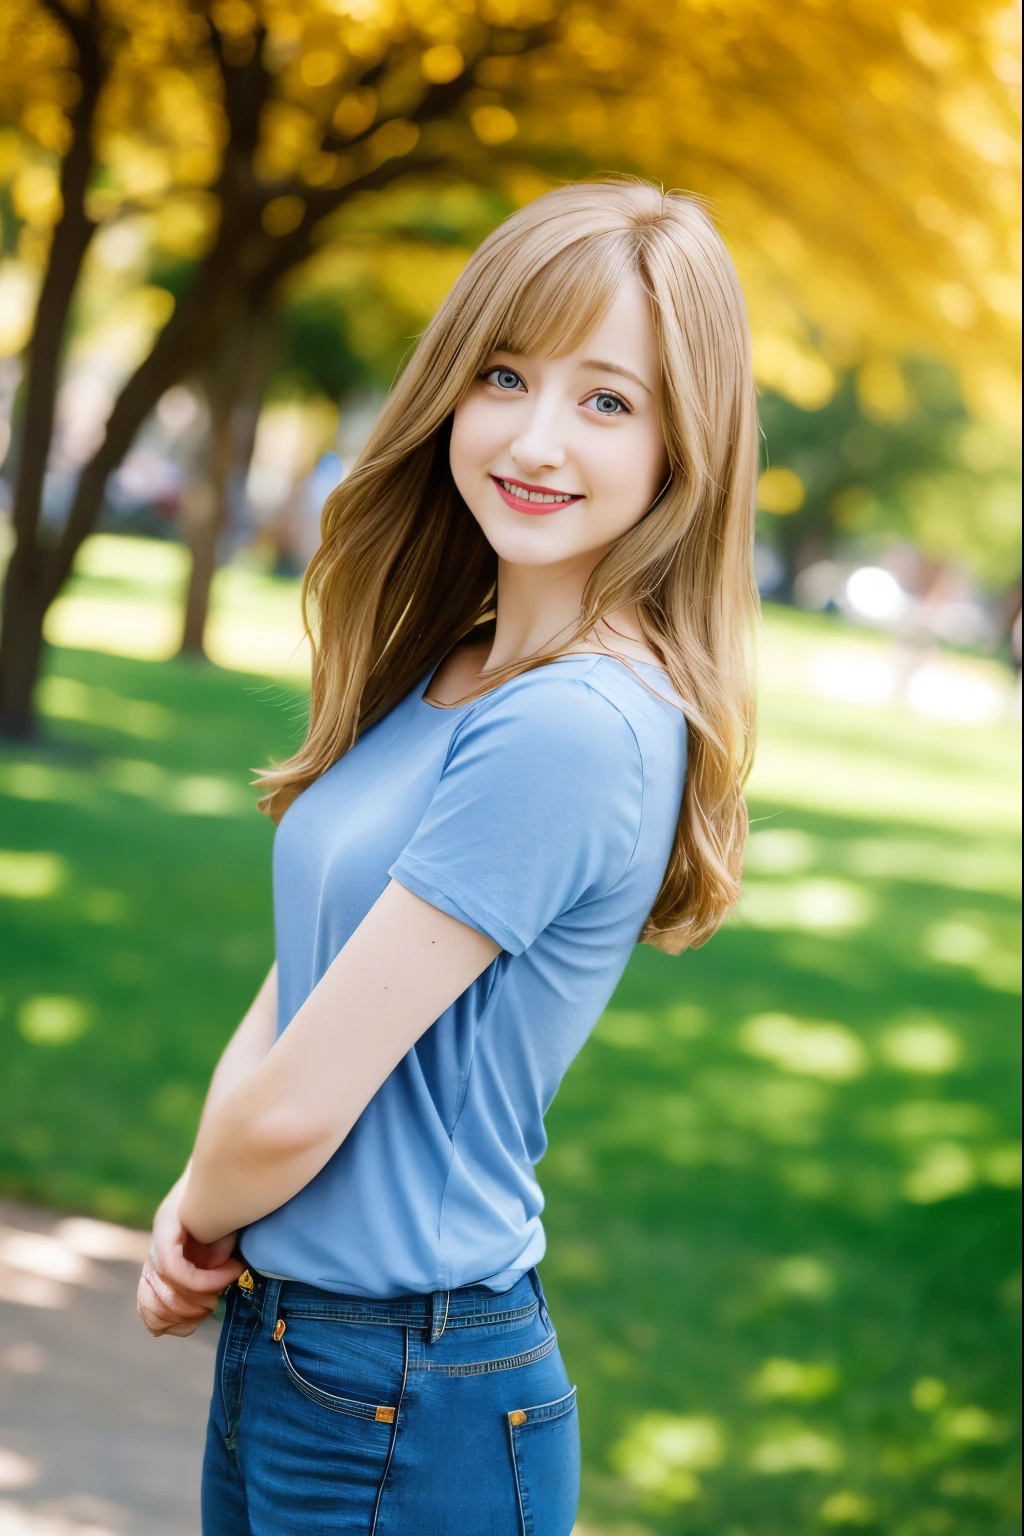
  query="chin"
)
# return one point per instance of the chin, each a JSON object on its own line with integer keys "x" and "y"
{"x": 528, "y": 546}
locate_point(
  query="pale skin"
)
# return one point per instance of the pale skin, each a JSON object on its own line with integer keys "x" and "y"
{"x": 531, "y": 431}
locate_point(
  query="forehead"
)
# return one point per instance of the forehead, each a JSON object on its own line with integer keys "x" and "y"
{"x": 608, "y": 321}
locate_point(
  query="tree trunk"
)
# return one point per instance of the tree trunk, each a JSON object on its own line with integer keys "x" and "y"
{"x": 204, "y": 521}
{"x": 21, "y": 643}
{"x": 235, "y": 382}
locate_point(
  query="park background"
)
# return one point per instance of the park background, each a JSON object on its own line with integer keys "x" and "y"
{"x": 782, "y": 1184}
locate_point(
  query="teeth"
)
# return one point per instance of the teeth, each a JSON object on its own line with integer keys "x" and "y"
{"x": 522, "y": 494}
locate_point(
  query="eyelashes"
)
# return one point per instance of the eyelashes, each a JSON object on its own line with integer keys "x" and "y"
{"x": 508, "y": 381}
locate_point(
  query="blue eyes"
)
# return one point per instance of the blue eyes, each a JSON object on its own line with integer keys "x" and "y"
{"x": 608, "y": 405}
{"x": 603, "y": 401}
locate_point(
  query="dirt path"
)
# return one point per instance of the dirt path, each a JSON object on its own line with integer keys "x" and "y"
{"x": 101, "y": 1427}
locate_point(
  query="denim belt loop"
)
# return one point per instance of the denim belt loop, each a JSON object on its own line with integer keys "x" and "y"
{"x": 538, "y": 1291}
{"x": 439, "y": 1314}
{"x": 268, "y": 1310}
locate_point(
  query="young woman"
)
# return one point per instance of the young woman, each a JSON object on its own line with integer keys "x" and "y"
{"x": 530, "y": 722}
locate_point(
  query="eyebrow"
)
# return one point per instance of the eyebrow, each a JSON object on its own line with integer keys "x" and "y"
{"x": 605, "y": 367}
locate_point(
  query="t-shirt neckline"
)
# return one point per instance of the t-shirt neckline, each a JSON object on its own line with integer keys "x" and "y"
{"x": 570, "y": 656}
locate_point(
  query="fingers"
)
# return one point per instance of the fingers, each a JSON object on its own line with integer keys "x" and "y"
{"x": 165, "y": 1310}
{"x": 202, "y": 1286}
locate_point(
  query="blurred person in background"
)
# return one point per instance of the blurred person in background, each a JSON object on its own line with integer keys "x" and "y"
{"x": 531, "y": 719}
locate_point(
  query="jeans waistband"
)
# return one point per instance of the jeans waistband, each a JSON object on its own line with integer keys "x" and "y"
{"x": 435, "y": 1313}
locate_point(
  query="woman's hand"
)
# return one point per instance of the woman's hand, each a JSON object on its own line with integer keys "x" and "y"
{"x": 182, "y": 1278}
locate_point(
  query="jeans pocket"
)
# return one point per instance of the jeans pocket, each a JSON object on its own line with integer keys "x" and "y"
{"x": 546, "y": 1457}
{"x": 342, "y": 1367}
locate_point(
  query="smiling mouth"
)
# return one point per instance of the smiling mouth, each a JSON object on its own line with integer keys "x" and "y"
{"x": 535, "y": 500}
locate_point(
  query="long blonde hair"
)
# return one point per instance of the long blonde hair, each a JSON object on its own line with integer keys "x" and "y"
{"x": 403, "y": 572}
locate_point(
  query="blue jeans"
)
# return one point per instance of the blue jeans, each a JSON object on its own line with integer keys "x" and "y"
{"x": 442, "y": 1415}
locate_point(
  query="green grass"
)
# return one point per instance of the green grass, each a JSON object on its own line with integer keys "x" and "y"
{"x": 781, "y": 1185}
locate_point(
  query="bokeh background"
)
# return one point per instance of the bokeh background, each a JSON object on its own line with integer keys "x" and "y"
{"x": 783, "y": 1174}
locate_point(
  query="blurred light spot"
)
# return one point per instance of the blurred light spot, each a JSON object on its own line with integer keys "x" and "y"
{"x": 283, "y": 214}
{"x": 17, "y": 1519}
{"x": 796, "y": 371}
{"x": 52, "y": 1020}
{"x": 928, "y": 1394}
{"x": 686, "y": 1021}
{"x": 814, "y": 1049}
{"x": 782, "y": 1111}
{"x": 205, "y": 795}
{"x": 24, "y": 1358}
{"x": 847, "y": 1508}
{"x": 102, "y": 906}
{"x": 973, "y": 1425}
{"x": 493, "y": 125}
{"x": 949, "y": 693}
{"x": 781, "y": 851}
{"x": 804, "y": 1276}
{"x": 134, "y": 777}
{"x": 633, "y": 1031}
{"x": 966, "y": 939}
{"x": 977, "y": 869}
{"x": 64, "y": 698}
{"x": 36, "y": 781}
{"x": 825, "y": 906}
{"x": 38, "y": 1253}
{"x": 661, "y": 1452}
{"x": 925, "y": 1048}
{"x": 102, "y": 1240}
{"x": 921, "y": 1118}
{"x": 815, "y": 586}
{"x": 178, "y": 1106}
{"x": 793, "y": 1381}
{"x": 17, "y": 1471}
{"x": 177, "y": 409}
{"x": 780, "y": 491}
{"x": 31, "y": 876}
{"x": 946, "y": 1170}
{"x": 796, "y": 1449}
{"x": 1003, "y": 1165}
{"x": 874, "y": 594}
{"x": 883, "y": 390}
{"x": 854, "y": 677}
{"x": 579, "y": 1262}
{"x": 442, "y": 63}
{"x": 150, "y": 562}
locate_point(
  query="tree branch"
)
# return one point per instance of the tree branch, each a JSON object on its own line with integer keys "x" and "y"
{"x": 71, "y": 236}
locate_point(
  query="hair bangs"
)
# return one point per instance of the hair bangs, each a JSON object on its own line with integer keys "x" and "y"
{"x": 567, "y": 297}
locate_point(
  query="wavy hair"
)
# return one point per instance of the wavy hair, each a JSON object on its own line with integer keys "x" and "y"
{"x": 403, "y": 572}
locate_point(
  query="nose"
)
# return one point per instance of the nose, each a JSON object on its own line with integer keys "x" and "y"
{"x": 538, "y": 444}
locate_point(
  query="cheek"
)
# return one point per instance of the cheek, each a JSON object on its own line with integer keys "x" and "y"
{"x": 631, "y": 467}
{"x": 474, "y": 435}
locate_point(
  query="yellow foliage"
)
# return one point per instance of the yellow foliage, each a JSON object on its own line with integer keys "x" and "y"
{"x": 862, "y": 161}
{"x": 780, "y": 490}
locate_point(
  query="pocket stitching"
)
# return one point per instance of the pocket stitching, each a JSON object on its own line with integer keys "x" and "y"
{"x": 331, "y": 1400}
{"x": 233, "y": 1421}
{"x": 485, "y": 1367}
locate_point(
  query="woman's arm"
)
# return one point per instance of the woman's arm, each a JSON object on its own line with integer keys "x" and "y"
{"x": 182, "y": 1278}
{"x": 264, "y": 1139}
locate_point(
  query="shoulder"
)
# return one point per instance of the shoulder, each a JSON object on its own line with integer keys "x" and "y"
{"x": 554, "y": 708}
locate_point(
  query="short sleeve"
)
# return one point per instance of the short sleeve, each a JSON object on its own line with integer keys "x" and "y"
{"x": 537, "y": 809}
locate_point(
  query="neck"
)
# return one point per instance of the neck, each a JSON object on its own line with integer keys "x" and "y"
{"x": 536, "y": 607}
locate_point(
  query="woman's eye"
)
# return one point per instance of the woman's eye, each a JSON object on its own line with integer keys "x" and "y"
{"x": 608, "y": 405}
{"x": 504, "y": 378}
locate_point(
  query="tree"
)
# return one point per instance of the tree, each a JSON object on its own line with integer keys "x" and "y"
{"x": 862, "y": 166}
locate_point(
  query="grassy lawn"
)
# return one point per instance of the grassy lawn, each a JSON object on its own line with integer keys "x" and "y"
{"x": 782, "y": 1184}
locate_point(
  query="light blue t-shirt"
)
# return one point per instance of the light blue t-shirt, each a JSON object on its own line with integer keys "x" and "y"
{"x": 542, "y": 814}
